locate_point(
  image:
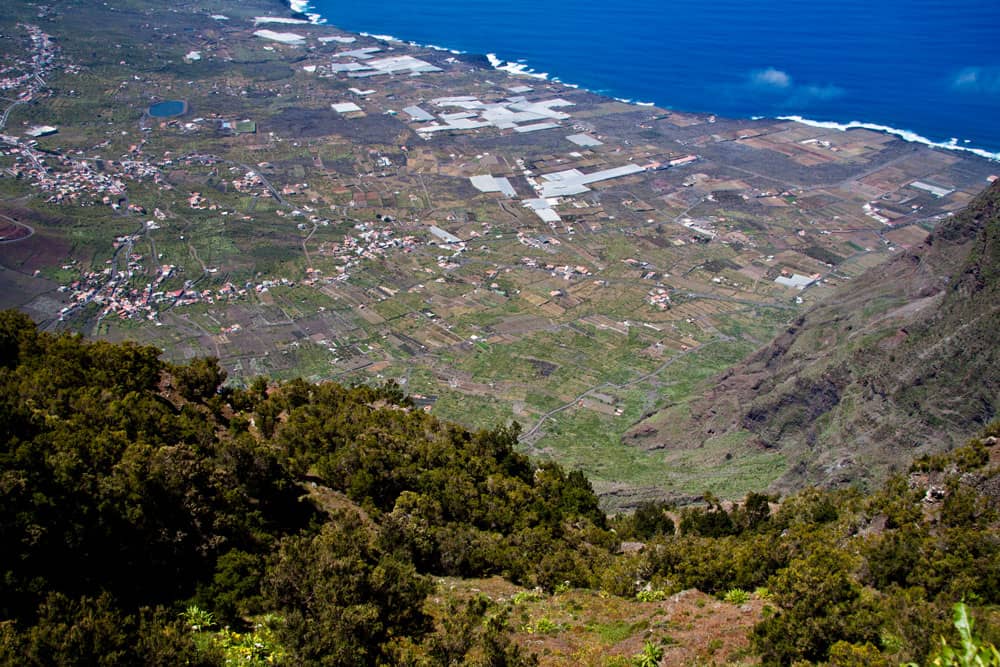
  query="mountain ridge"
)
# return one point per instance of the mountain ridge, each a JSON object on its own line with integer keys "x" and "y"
{"x": 896, "y": 364}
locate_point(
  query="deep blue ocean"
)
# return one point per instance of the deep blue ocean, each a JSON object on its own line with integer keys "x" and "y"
{"x": 931, "y": 67}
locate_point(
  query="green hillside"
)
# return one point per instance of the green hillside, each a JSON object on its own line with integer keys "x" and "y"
{"x": 150, "y": 515}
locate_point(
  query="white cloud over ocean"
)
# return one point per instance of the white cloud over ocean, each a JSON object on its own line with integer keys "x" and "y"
{"x": 780, "y": 86}
{"x": 771, "y": 78}
{"x": 983, "y": 80}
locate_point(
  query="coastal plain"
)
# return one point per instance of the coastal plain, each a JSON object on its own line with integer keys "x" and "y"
{"x": 506, "y": 248}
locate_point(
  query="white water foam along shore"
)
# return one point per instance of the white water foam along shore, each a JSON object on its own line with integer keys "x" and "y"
{"x": 905, "y": 135}
{"x": 522, "y": 69}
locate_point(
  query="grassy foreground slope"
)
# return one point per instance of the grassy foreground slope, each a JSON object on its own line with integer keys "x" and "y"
{"x": 901, "y": 362}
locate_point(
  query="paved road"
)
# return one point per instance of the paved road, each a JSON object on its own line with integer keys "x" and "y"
{"x": 6, "y": 112}
{"x": 31, "y": 230}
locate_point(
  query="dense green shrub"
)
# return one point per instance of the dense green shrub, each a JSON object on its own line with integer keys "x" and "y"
{"x": 160, "y": 486}
{"x": 328, "y": 507}
{"x": 819, "y": 603}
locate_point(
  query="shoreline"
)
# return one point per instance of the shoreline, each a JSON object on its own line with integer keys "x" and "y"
{"x": 906, "y": 135}
{"x": 301, "y": 9}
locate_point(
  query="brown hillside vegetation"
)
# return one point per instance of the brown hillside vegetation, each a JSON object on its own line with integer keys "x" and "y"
{"x": 585, "y": 628}
{"x": 899, "y": 363}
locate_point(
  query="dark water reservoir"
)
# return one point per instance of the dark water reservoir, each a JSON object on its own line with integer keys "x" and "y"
{"x": 168, "y": 109}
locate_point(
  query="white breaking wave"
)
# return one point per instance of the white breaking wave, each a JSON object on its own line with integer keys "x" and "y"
{"x": 435, "y": 47}
{"x": 382, "y": 38}
{"x": 521, "y": 69}
{"x": 303, "y": 7}
{"x": 906, "y": 135}
{"x": 514, "y": 68}
{"x": 397, "y": 40}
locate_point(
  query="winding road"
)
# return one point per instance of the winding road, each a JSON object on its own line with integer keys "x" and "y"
{"x": 6, "y": 112}
{"x": 31, "y": 230}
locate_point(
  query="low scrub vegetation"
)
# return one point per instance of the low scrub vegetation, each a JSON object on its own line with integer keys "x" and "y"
{"x": 151, "y": 515}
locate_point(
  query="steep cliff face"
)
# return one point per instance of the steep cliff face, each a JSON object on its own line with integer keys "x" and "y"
{"x": 901, "y": 362}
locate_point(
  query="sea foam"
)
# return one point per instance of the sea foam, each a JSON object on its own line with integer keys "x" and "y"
{"x": 382, "y": 38}
{"x": 522, "y": 69}
{"x": 514, "y": 68}
{"x": 511, "y": 67}
{"x": 303, "y": 7}
{"x": 905, "y": 135}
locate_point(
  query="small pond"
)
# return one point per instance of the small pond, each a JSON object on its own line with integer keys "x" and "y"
{"x": 168, "y": 109}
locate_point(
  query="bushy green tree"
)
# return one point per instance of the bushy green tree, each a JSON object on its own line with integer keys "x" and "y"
{"x": 200, "y": 378}
{"x": 819, "y": 603}
{"x": 709, "y": 521}
{"x": 651, "y": 519}
{"x": 342, "y": 599}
